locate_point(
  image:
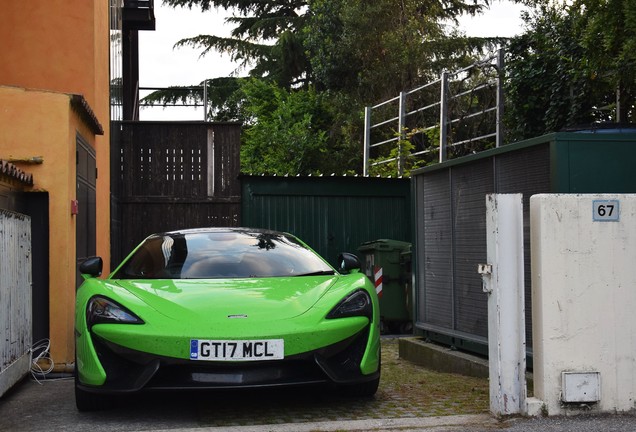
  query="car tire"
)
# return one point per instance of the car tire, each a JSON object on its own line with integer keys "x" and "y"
{"x": 366, "y": 389}
{"x": 87, "y": 401}
{"x": 362, "y": 390}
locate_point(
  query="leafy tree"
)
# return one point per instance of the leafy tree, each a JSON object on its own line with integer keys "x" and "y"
{"x": 376, "y": 49}
{"x": 565, "y": 69}
{"x": 375, "y": 42}
{"x": 314, "y": 64}
{"x": 329, "y": 58}
{"x": 608, "y": 30}
{"x": 284, "y": 134}
{"x": 222, "y": 97}
{"x": 545, "y": 88}
{"x": 371, "y": 51}
{"x": 267, "y": 37}
{"x": 400, "y": 159}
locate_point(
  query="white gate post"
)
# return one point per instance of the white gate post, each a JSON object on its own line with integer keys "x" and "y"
{"x": 503, "y": 279}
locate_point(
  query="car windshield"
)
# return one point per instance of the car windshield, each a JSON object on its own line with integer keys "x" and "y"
{"x": 221, "y": 254}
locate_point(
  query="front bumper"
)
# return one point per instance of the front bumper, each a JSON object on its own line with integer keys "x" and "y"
{"x": 129, "y": 371}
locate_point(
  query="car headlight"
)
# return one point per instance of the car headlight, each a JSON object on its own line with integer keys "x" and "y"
{"x": 357, "y": 303}
{"x": 103, "y": 310}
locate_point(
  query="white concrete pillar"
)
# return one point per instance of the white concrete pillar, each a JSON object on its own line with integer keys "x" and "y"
{"x": 503, "y": 278}
{"x": 584, "y": 302}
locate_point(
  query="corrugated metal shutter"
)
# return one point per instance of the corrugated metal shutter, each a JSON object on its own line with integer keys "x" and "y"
{"x": 451, "y": 227}
{"x": 555, "y": 163}
{"x": 470, "y": 184}
{"x": 15, "y": 298}
{"x": 436, "y": 281}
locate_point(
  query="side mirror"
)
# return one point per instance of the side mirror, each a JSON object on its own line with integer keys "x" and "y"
{"x": 92, "y": 266}
{"x": 348, "y": 262}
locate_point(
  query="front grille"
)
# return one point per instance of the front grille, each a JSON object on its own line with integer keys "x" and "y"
{"x": 129, "y": 370}
{"x": 217, "y": 375}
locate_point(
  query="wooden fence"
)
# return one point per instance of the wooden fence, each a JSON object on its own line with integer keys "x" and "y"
{"x": 173, "y": 175}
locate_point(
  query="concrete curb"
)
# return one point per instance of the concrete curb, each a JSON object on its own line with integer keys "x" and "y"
{"x": 442, "y": 359}
{"x": 429, "y": 424}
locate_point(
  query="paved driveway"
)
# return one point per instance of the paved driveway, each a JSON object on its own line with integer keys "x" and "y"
{"x": 406, "y": 392}
{"x": 410, "y": 398}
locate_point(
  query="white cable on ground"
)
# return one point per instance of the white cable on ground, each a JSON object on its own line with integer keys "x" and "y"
{"x": 40, "y": 351}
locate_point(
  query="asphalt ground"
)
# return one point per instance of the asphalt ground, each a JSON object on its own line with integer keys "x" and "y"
{"x": 410, "y": 398}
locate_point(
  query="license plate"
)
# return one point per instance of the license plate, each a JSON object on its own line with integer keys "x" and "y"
{"x": 237, "y": 350}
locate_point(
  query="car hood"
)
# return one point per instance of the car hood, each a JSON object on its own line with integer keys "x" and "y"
{"x": 218, "y": 299}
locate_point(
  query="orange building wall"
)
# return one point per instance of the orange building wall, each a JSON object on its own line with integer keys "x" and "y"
{"x": 47, "y": 44}
{"x": 61, "y": 46}
{"x": 42, "y": 124}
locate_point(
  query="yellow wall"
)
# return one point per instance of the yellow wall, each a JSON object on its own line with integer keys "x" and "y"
{"x": 49, "y": 42}
{"x": 41, "y": 123}
{"x": 59, "y": 46}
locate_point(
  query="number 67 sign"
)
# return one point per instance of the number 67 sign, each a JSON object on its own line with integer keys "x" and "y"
{"x": 605, "y": 210}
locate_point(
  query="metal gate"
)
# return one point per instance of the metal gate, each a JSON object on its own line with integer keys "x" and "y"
{"x": 15, "y": 298}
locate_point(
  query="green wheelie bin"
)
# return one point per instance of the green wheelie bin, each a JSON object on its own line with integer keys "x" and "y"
{"x": 383, "y": 264}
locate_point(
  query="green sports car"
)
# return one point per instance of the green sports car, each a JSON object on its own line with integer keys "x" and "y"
{"x": 220, "y": 308}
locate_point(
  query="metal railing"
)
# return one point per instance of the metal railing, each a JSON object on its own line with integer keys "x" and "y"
{"x": 195, "y": 104}
{"x": 462, "y": 107}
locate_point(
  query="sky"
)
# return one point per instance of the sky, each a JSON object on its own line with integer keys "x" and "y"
{"x": 162, "y": 65}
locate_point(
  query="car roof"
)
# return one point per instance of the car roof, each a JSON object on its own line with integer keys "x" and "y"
{"x": 223, "y": 230}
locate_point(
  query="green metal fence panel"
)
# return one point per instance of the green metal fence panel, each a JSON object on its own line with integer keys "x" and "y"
{"x": 593, "y": 163}
{"x": 331, "y": 214}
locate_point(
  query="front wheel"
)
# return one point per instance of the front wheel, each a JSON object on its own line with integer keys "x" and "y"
{"x": 87, "y": 401}
{"x": 362, "y": 390}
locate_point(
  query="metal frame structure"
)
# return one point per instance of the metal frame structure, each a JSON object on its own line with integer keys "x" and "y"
{"x": 443, "y": 105}
{"x": 202, "y": 88}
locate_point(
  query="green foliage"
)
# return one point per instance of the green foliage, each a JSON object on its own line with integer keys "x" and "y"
{"x": 608, "y": 29}
{"x": 267, "y": 37}
{"x": 283, "y": 133}
{"x": 565, "y": 70}
{"x": 400, "y": 160}
{"x": 291, "y": 132}
{"x": 313, "y": 66}
{"x": 545, "y": 88}
{"x": 221, "y": 93}
{"x": 373, "y": 50}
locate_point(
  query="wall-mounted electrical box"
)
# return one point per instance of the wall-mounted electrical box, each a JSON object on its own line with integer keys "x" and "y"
{"x": 581, "y": 386}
